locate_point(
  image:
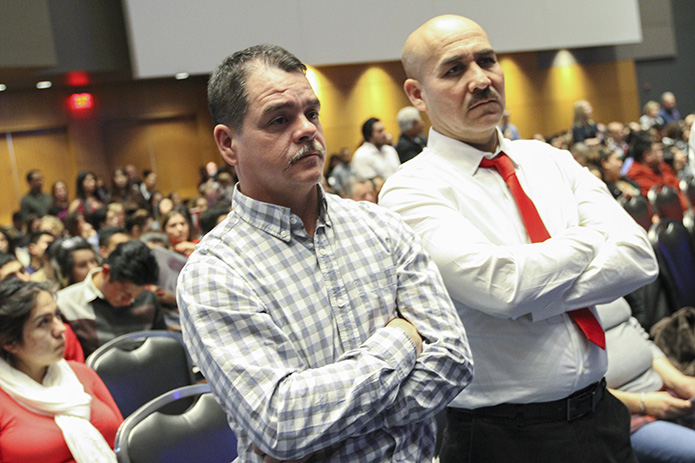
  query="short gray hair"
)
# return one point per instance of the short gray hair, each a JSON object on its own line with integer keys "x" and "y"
{"x": 407, "y": 117}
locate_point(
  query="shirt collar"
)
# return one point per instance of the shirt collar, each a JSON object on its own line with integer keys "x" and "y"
{"x": 275, "y": 220}
{"x": 91, "y": 292}
{"x": 462, "y": 154}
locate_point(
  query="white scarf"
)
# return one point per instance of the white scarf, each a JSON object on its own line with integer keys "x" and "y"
{"x": 61, "y": 396}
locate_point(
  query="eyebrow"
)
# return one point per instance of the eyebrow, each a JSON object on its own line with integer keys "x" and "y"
{"x": 460, "y": 57}
{"x": 281, "y": 106}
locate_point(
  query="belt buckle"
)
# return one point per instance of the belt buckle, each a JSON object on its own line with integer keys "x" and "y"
{"x": 580, "y": 406}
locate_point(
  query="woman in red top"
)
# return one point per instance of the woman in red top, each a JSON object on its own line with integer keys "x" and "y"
{"x": 179, "y": 229}
{"x": 51, "y": 410}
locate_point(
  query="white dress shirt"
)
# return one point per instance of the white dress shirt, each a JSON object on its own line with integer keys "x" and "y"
{"x": 512, "y": 295}
{"x": 370, "y": 161}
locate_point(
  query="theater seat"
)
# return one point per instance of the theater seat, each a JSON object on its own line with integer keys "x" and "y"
{"x": 639, "y": 209}
{"x": 676, "y": 254}
{"x": 139, "y": 366}
{"x": 198, "y": 434}
{"x": 665, "y": 202}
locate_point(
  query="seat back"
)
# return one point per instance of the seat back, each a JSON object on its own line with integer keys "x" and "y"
{"x": 639, "y": 209}
{"x": 139, "y": 366}
{"x": 676, "y": 254}
{"x": 665, "y": 202}
{"x": 200, "y": 433}
{"x": 688, "y": 189}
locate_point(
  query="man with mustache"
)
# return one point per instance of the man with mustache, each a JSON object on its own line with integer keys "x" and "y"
{"x": 527, "y": 242}
{"x": 324, "y": 329}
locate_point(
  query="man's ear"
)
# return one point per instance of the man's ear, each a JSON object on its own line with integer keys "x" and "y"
{"x": 106, "y": 272}
{"x": 414, "y": 91}
{"x": 225, "y": 138}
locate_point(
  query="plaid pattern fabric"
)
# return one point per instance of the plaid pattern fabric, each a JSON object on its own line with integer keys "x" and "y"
{"x": 290, "y": 332}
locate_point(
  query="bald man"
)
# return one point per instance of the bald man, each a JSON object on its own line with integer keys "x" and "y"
{"x": 525, "y": 297}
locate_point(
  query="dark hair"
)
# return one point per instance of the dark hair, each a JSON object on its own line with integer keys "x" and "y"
{"x": 17, "y": 300}
{"x": 106, "y": 233}
{"x": 10, "y": 241}
{"x": 208, "y": 219}
{"x": 178, "y": 210}
{"x": 138, "y": 217}
{"x": 36, "y": 235}
{"x": 97, "y": 217}
{"x": 134, "y": 262}
{"x": 368, "y": 128}
{"x": 641, "y": 144}
{"x": 227, "y": 93}
{"x": 61, "y": 256}
{"x": 30, "y": 174}
{"x": 80, "y": 179}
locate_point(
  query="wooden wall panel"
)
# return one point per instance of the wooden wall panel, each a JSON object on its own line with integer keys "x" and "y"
{"x": 167, "y": 146}
{"x": 47, "y": 150}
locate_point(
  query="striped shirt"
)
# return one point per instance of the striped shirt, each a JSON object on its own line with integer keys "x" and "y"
{"x": 290, "y": 332}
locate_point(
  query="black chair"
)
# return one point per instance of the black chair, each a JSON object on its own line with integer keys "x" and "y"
{"x": 688, "y": 189}
{"x": 139, "y": 366}
{"x": 665, "y": 202}
{"x": 199, "y": 434}
{"x": 639, "y": 209}
{"x": 676, "y": 254}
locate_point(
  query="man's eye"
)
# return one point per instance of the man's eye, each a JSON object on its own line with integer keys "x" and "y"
{"x": 453, "y": 70}
{"x": 486, "y": 62}
{"x": 312, "y": 115}
{"x": 278, "y": 121}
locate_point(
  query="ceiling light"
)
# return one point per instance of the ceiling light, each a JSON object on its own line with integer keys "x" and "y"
{"x": 181, "y": 75}
{"x": 3, "y": 87}
{"x": 44, "y": 84}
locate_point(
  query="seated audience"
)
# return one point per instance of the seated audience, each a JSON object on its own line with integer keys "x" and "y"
{"x": 668, "y": 111}
{"x": 138, "y": 223}
{"x": 654, "y": 391}
{"x": 619, "y": 185}
{"x": 78, "y": 225}
{"x": 52, "y": 410}
{"x": 585, "y": 130}
{"x": 6, "y": 244}
{"x": 649, "y": 169}
{"x": 213, "y": 216}
{"x": 107, "y": 303}
{"x": 651, "y": 119}
{"x": 11, "y": 268}
{"x": 53, "y": 225}
{"x": 72, "y": 259}
{"x": 87, "y": 200}
{"x": 60, "y": 202}
{"x": 109, "y": 238}
{"x": 508, "y": 129}
{"x": 412, "y": 141}
{"x": 179, "y": 229}
{"x": 360, "y": 190}
{"x": 38, "y": 243}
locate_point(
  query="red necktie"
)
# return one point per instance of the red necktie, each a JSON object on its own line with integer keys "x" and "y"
{"x": 536, "y": 230}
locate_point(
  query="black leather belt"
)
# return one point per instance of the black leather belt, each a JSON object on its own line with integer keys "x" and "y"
{"x": 570, "y": 408}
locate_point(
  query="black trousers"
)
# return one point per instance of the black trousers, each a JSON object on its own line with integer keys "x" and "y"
{"x": 602, "y": 436}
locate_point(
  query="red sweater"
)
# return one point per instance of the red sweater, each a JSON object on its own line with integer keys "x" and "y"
{"x": 26, "y": 437}
{"x": 646, "y": 178}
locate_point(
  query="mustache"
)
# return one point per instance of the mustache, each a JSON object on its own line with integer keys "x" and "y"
{"x": 486, "y": 94}
{"x": 312, "y": 147}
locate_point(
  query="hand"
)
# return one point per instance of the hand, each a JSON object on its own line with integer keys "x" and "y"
{"x": 184, "y": 247}
{"x": 410, "y": 330}
{"x": 269, "y": 459}
{"x": 166, "y": 298}
{"x": 664, "y": 406}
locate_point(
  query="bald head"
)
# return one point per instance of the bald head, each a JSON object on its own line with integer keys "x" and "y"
{"x": 419, "y": 46}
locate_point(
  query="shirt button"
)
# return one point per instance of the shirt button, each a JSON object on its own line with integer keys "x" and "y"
{"x": 341, "y": 302}
{"x": 293, "y": 220}
{"x": 284, "y": 234}
{"x": 323, "y": 252}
